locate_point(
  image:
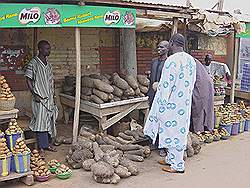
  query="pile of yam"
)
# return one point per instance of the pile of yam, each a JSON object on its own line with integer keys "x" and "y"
{"x": 108, "y": 158}
{"x": 111, "y": 88}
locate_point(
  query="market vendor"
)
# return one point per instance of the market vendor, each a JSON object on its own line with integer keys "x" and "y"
{"x": 217, "y": 69}
{"x": 155, "y": 75}
{"x": 156, "y": 69}
{"x": 202, "y": 112}
{"x": 41, "y": 85}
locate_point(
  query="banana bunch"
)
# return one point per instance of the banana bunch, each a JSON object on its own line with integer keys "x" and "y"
{"x": 208, "y": 137}
{"x": 1, "y": 133}
{"x": 5, "y": 92}
{"x": 38, "y": 165}
{"x": 4, "y": 150}
{"x": 247, "y": 113}
{"x": 200, "y": 137}
{"x": 216, "y": 135}
{"x": 21, "y": 147}
{"x": 242, "y": 105}
{"x": 13, "y": 128}
{"x": 224, "y": 134}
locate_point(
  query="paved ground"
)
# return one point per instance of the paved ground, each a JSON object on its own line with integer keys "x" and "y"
{"x": 221, "y": 164}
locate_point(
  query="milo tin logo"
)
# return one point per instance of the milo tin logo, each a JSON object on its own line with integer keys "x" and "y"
{"x": 112, "y": 17}
{"x": 29, "y": 15}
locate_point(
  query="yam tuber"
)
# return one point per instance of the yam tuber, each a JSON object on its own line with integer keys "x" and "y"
{"x": 102, "y": 170}
{"x": 133, "y": 133}
{"x": 96, "y": 99}
{"x": 130, "y": 165}
{"x": 117, "y": 91}
{"x": 86, "y": 165}
{"x": 143, "y": 80}
{"x": 122, "y": 171}
{"x": 102, "y": 95}
{"x": 119, "y": 82}
{"x": 100, "y": 85}
{"x": 98, "y": 153}
{"x": 132, "y": 81}
{"x": 143, "y": 89}
{"x": 126, "y": 137}
{"x": 135, "y": 158}
{"x": 87, "y": 134}
{"x": 129, "y": 92}
{"x": 86, "y": 81}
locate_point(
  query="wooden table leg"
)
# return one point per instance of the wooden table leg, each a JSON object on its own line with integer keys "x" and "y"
{"x": 66, "y": 111}
{"x": 101, "y": 121}
{"x": 146, "y": 112}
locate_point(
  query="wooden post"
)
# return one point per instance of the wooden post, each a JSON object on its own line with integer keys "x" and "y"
{"x": 220, "y": 5}
{"x": 175, "y": 26}
{"x": 129, "y": 62}
{"x": 235, "y": 65}
{"x": 121, "y": 49}
{"x": 78, "y": 84}
{"x": 34, "y": 42}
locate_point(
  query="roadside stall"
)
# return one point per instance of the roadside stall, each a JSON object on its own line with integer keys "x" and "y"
{"x": 60, "y": 16}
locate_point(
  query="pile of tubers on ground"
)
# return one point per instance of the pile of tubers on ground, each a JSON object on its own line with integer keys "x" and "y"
{"x": 108, "y": 158}
{"x": 111, "y": 88}
{"x": 193, "y": 145}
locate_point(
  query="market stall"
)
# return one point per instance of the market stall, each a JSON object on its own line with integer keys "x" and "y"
{"x": 51, "y": 15}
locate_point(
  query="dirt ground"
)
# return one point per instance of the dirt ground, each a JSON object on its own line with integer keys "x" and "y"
{"x": 220, "y": 164}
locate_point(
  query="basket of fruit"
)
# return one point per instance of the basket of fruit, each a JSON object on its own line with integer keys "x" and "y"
{"x": 13, "y": 133}
{"x": 63, "y": 172}
{"x": 7, "y": 99}
{"x": 5, "y": 158}
{"x": 38, "y": 167}
{"x": 21, "y": 155}
{"x": 53, "y": 165}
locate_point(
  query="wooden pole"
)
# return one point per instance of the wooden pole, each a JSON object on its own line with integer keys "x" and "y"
{"x": 121, "y": 49}
{"x": 175, "y": 26}
{"x": 129, "y": 51}
{"x": 220, "y": 5}
{"x": 78, "y": 84}
{"x": 235, "y": 64}
{"x": 34, "y": 42}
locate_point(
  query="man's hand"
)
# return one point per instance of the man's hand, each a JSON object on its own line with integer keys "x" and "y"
{"x": 37, "y": 98}
{"x": 154, "y": 86}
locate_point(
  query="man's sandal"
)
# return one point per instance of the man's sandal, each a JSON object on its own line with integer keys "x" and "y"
{"x": 51, "y": 148}
{"x": 163, "y": 162}
{"x": 169, "y": 170}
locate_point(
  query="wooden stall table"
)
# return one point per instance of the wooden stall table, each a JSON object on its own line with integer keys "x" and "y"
{"x": 238, "y": 93}
{"x": 8, "y": 114}
{"x": 101, "y": 112}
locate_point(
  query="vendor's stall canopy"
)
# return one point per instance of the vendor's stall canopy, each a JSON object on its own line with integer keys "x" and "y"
{"x": 20, "y": 15}
{"x": 215, "y": 24}
{"x": 151, "y": 25}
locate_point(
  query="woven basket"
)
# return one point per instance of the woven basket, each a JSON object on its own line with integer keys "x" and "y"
{"x": 7, "y": 105}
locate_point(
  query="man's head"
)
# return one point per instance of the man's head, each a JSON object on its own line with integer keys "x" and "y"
{"x": 44, "y": 48}
{"x": 208, "y": 59}
{"x": 162, "y": 48}
{"x": 176, "y": 44}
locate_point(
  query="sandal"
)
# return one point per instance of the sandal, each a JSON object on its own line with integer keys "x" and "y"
{"x": 51, "y": 148}
{"x": 163, "y": 162}
{"x": 168, "y": 169}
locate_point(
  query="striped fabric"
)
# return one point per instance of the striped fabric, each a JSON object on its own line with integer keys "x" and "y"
{"x": 22, "y": 163}
{"x": 5, "y": 166}
{"x": 44, "y": 113}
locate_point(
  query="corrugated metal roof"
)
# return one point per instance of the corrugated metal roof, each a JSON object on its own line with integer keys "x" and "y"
{"x": 178, "y": 3}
